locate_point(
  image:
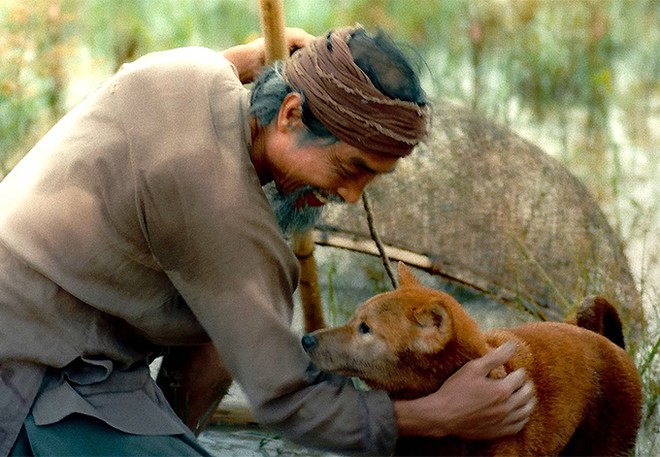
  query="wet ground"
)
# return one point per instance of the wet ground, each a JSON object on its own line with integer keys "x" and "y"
{"x": 250, "y": 441}
{"x": 233, "y": 433}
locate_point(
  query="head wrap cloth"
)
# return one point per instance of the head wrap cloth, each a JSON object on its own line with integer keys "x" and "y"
{"x": 344, "y": 100}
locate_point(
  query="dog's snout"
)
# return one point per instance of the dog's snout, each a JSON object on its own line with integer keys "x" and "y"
{"x": 308, "y": 342}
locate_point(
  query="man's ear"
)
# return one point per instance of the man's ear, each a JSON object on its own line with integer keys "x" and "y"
{"x": 290, "y": 114}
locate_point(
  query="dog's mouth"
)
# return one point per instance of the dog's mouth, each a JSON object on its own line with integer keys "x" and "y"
{"x": 331, "y": 361}
{"x": 337, "y": 368}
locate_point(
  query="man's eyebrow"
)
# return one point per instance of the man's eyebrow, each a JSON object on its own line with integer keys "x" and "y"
{"x": 361, "y": 164}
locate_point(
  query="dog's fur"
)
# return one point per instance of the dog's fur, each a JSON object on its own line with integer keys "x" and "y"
{"x": 409, "y": 341}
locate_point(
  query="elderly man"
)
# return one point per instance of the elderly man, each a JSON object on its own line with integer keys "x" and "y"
{"x": 139, "y": 223}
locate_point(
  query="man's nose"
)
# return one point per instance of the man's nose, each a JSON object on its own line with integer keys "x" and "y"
{"x": 351, "y": 192}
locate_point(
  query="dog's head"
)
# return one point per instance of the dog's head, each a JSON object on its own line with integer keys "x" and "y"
{"x": 395, "y": 341}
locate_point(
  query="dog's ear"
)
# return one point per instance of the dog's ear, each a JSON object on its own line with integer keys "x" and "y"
{"x": 435, "y": 328}
{"x": 432, "y": 315}
{"x": 406, "y": 277}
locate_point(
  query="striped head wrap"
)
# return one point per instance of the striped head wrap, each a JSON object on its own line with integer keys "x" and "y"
{"x": 345, "y": 101}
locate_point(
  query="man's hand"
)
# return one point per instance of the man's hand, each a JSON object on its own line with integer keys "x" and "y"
{"x": 470, "y": 405}
{"x": 249, "y": 58}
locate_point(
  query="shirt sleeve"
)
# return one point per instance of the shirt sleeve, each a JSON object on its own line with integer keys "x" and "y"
{"x": 211, "y": 229}
{"x": 237, "y": 274}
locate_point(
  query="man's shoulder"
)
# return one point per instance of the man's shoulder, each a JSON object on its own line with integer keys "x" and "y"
{"x": 188, "y": 59}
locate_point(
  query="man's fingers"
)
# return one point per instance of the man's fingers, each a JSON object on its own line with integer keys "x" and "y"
{"x": 515, "y": 391}
{"x": 524, "y": 396}
{"x": 493, "y": 407}
{"x": 513, "y": 428}
{"x": 516, "y": 380}
{"x": 521, "y": 405}
{"x": 297, "y": 38}
{"x": 494, "y": 358}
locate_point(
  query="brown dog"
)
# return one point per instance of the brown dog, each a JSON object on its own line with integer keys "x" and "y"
{"x": 409, "y": 341}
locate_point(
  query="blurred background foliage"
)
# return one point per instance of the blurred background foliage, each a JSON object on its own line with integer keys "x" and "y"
{"x": 563, "y": 66}
{"x": 579, "y": 78}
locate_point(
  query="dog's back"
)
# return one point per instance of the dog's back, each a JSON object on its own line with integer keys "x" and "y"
{"x": 588, "y": 392}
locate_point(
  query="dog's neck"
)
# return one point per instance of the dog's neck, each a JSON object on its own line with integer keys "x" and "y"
{"x": 432, "y": 370}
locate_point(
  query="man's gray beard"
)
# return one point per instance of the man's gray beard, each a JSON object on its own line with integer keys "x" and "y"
{"x": 290, "y": 217}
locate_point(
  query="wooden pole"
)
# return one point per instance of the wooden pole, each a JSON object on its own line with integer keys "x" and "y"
{"x": 310, "y": 293}
{"x": 273, "y": 31}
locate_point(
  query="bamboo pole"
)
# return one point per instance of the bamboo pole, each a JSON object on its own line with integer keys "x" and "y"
{"x": 273, "y": 31}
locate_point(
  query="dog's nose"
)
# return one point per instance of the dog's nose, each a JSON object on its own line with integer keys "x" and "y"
{"x": 308, "y": 341}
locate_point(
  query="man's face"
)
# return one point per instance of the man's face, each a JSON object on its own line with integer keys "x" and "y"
{"x": 308, "y": 176}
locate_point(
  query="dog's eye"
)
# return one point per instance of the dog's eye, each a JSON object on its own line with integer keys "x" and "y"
{"x": 364, "y": 329}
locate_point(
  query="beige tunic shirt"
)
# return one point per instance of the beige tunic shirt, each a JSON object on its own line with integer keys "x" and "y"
{"x": 139, "y": 222}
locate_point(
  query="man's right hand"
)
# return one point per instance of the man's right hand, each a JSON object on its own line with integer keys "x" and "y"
{"x": 470, "y": 405}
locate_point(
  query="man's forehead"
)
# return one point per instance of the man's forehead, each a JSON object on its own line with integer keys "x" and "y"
{"x": 372, "y": 163}
{"x": 379, "y": 167}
